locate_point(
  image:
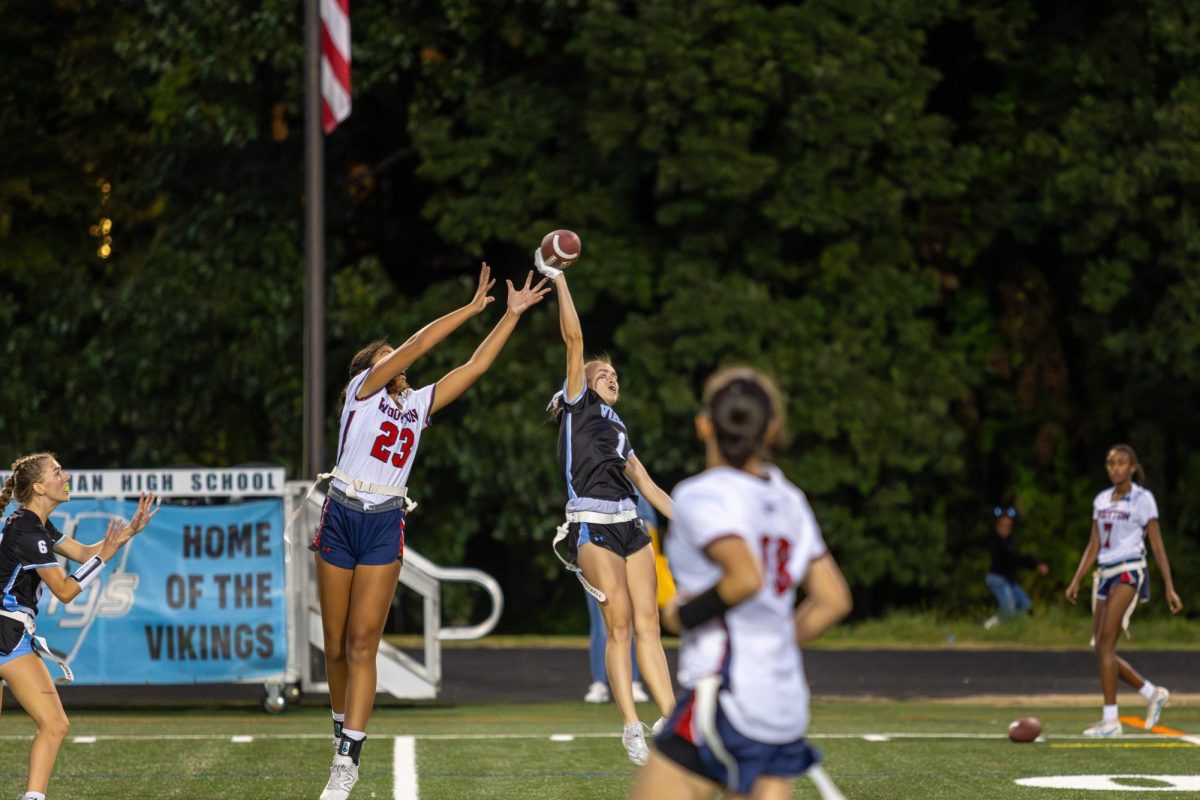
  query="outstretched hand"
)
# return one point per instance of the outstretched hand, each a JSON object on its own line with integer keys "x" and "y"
{"x": 147, "y": 507}
{"x": 523, "y": 298}
{"x": 481, "y": 299}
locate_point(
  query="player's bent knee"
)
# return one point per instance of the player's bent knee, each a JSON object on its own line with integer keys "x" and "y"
{"x": 56, "y": 727}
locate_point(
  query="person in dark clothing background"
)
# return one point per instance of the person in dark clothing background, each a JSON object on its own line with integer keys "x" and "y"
{"x": 1006, "y": 562}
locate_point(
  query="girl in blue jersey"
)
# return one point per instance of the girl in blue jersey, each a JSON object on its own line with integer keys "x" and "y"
{"x": 1123, "y": 517}
{"x": 743, "y": 538}
{"x": 605, "y": 538}
{"x": 28, "y": 545}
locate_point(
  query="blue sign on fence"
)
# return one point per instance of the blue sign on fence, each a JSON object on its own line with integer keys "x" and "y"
{"x": 197, "y": 597}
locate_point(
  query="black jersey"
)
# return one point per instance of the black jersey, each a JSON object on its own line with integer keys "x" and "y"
{"x": 593, "y": 447}
{"x": 25, "y": 546}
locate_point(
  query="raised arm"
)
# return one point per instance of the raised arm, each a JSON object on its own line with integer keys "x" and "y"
{"x": 647, "y": 488}
{"x": 1085, "y": 562}
{"x": 572, "y": 334}
{"x": 78, "y": 552}
{"x": 1154, "y": 534}
{"x": 424, "y": 340}
{"x": 67, "y": 587}
{"x": 458, "y": 380}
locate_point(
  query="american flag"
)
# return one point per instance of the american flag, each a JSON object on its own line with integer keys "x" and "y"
{"x": 335, "y": 62}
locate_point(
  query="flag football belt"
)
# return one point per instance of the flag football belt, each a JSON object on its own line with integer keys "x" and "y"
{"x": 38, "y": 643}
{"x": 1104, "y": 573}
{"x": 596, "y": 518}
{"x": 353, "y": 487}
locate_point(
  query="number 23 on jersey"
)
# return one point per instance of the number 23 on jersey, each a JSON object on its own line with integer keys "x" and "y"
{"x": 386, "y": 447}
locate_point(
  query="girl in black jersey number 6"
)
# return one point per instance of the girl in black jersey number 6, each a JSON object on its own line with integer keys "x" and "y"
{"x": 605, "y": 538}
{"x": 28, "y": 545}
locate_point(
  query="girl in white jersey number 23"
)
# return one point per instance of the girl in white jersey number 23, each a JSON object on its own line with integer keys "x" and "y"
{"x": 359, "y": 541}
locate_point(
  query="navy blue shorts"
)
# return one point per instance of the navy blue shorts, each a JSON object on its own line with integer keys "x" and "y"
{"x": 622, "y": 538}
{"x": 753, "y": 759}
{"x": 347, "y": 537}
{"x": 1131, "y": 577}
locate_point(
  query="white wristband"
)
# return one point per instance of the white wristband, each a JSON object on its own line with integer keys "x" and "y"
{"x": 88, "y": 571}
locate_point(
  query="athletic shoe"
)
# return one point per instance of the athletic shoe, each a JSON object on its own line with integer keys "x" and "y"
{"x": 639, "y": 693}
{"x": 597, "y": 693}
{"x": 1155, "y": 707}
{"x": 1105, "y": 728}
{"x": 634, "y": 740}
{"x": 658, "y": 725}
{"x": 342, "y": 777}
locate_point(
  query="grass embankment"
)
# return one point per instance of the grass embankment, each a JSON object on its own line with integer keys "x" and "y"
{"x": 1054, "y": 629}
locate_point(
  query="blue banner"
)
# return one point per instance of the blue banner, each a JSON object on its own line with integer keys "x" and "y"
{"x": 197, "y": 597}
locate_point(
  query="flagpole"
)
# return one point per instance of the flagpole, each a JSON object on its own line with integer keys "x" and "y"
{"x": 314, "y": 248}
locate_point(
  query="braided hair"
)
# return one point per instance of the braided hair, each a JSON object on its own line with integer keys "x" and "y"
{"x": 742, "y": 403}
{"x": 26, "y": 471}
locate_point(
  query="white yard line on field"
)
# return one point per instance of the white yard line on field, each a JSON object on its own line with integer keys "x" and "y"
{"x": 404, "y": 768}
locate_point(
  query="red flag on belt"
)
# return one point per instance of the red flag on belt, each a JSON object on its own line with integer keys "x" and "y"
{"x": 335, "y": 62}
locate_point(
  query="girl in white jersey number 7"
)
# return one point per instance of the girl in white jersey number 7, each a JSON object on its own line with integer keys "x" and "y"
{"x": 742, "y": 539}
{"x": 360, "y": 539}
{"x": 1123, "y": 517}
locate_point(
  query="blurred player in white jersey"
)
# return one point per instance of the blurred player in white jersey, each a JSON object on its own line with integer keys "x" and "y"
{"x": 1122, "y": 518}
{"x": 743, "y": 538}
{"x": 360, "y": 539}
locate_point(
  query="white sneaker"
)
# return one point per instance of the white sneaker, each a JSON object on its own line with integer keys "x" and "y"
{"x": 342, "y": 777}
{"x": 634, "y": 740}
{"x": 597, "y": 693}
{"x": 657, "y": 727}
{"x": 1156, "y": 705}
{"x": 1105, "y": 728}
{"x": 639, "y": 693}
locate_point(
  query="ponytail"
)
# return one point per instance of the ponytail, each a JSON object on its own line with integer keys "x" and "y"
{"x": 6, "y": 493}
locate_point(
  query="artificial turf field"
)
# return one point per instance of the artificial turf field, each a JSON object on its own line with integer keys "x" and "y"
{"x": 873, "y": 749}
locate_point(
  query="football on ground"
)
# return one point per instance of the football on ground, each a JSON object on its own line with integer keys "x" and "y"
{"x": 561, "y": 248}
{"x": 1024, "y": 729}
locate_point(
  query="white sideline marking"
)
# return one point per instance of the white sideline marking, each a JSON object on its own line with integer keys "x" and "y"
{"x": 561, "y": 737}
{"x": 241, "y": 739}
{"x": 84, "y": 740}
{"x": 404, "y": 768}
{"x": 1191, "y": 740}
{"x": 876, "y": 737}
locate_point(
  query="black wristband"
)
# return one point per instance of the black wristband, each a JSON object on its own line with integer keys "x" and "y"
{"x": 701, "y": 608}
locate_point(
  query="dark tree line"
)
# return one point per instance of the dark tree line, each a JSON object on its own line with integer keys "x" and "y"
{"x": 963, "y": 234}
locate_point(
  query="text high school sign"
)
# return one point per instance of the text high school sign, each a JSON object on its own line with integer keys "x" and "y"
{"x": 197, "y": 597}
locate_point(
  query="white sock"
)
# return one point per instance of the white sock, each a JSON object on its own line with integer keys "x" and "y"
{"x": 1110, "y": 713}
{"x": 1147, "y": 690}
{"x": 33, "y": 796}
{"x": 339, "y": 717}
{"x": 357, "y": 736}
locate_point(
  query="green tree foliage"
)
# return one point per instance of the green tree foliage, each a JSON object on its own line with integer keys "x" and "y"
{"x": 963, "y": 235}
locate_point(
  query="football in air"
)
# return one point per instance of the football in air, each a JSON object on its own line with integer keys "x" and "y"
{"x": 561, "y": 249}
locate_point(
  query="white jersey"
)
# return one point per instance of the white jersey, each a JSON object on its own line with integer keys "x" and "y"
{"x": 1122, "y": 524}
{"x": 753, "y": 647}
{"x": 378, "y": 437}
